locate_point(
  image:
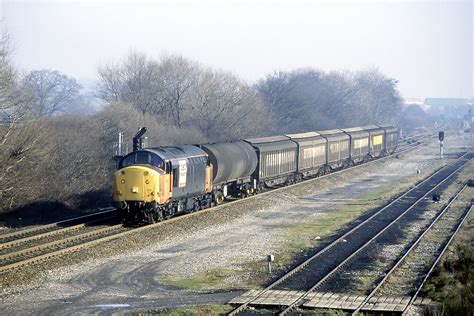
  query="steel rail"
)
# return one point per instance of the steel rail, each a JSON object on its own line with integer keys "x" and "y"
{"x": 43, "y": 247}
{"x": 28, "y": 231}
{"x": 408, "y": 251}
{"x": 435, "y": 263}
{"x": 334, "y": 242}
{"x": 63, "y": 251}
{"x": 328, "y": 275}
{"x": 16, "y": 242}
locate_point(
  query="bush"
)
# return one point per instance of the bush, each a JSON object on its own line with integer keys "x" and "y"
{"x": 451, "y": 284}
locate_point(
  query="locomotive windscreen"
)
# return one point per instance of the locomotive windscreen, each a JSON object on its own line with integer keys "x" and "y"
{"x": 141, "y": 158}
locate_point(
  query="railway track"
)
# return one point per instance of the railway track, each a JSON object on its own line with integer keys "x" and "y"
{"x": 31, "y": 232}
{"x": 25, "y": 247}
{"x": 43, "y": 251}
{"x": 315, "y": 271}
{"x": 24, "y": 242}
{"x": 413, "y": 141}
{"x": 434, "y": 240}
{"x": 435, "y": 263}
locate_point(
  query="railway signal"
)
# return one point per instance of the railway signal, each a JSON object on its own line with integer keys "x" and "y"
{"x": 441, "y": 139}
{"x": 139, "y": 142}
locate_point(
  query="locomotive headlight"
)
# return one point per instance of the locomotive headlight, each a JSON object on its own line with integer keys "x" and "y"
{"x": 145, "y": 173}
{"x": 147, "y": 181}
{"x": 123, "y": 181}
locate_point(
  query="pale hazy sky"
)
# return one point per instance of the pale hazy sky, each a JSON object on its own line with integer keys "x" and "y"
{"x": 426, "y": 45}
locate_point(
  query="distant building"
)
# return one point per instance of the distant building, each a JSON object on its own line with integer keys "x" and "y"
{"x": 420, "y": 102}
{"x": 448, "y": 106}
{"x": 446, "y": 102}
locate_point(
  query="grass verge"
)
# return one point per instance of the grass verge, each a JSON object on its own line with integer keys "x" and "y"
{"x": 194, "y": 310}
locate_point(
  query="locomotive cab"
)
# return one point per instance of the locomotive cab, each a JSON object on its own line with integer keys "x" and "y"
{"x": 141, "y": 182}
{"x": 156, "y": 183}
{"x": 138, "y": 177}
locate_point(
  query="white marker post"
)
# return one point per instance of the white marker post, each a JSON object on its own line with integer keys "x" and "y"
{"x": 270, "y": 259}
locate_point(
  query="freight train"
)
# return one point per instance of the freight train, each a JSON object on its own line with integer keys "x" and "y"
{"x": 152, "y": 184}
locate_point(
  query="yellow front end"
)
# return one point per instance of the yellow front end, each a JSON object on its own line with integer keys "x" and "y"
{"x": 137, "y": 183}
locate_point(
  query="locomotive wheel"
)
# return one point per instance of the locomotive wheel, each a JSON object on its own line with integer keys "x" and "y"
{"x": 218, "y": 198}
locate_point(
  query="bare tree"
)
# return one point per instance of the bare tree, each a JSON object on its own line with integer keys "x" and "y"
{"x": 158, "y": 88}
{"x": 118, "y": 117}
{"x": 177, "y": 77}
{"x": 8, "y": 114}
{"x": 226, "y": 108}
{"x": 308, "y": 99}
{"x": 21, "y": 146}
{"x": 185, "y": 95}
{"x": 277, "y": 92}
{"x": 413, "y": 116}
{"x": 377, "y": 97}
{"x": 50, "y": 91}
{"x": 135, "y": 81}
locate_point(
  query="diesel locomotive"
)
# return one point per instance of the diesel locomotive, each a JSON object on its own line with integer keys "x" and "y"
{"x": 152, "y": 184}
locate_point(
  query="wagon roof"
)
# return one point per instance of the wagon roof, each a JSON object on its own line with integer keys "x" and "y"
{"x": 353, "y": 129}
{"x": 389, "y": 128}
{"x": 270, "y": 139}
{"x": 386, "y": 125}
{"x": 370, "y": 127}
{"x": 303, "y": 135}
